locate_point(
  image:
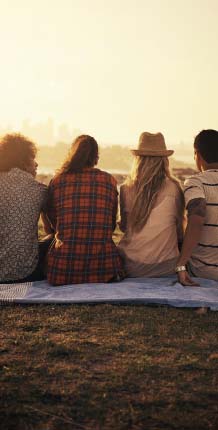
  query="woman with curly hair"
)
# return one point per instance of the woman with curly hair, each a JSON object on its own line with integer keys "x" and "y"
{"x": 82, "y": 207}
{"x": 151, "y": 207}
{"x": 21, "y": 201}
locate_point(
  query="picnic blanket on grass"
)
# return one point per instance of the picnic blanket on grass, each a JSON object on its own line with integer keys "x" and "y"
{"x": 164, "y": 291}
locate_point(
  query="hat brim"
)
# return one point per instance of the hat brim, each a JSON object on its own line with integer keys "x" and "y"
{"x": 166, "y": 153}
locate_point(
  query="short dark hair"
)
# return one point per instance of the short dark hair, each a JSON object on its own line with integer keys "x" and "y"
{"x": 16, "y": 150}
{"x": 206, "y": 143}
{"x": 84, "y": 153}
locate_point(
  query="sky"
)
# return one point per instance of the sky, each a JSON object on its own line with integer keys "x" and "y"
{"x": 111, "y": 68}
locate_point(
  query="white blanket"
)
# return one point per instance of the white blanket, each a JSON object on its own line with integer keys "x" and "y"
{"x": 165, "y": 291}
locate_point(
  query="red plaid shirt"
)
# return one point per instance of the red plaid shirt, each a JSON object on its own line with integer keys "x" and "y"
{"x": 82, "y": 208}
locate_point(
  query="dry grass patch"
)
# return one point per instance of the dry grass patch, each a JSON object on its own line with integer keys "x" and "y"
{"x": 108, "y": 367}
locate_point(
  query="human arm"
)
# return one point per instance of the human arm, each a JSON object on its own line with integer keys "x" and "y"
{"x": 114, "y": 195}
{"x": 180, "y": 217}
{"x": 114, "y": 214}
{"x": 196, "y": 214}
{"x": 46, "y": 225}
{"x": 123, "y": 212}
{"x": 48, "y": 212}
{"x": 44, "y": 221}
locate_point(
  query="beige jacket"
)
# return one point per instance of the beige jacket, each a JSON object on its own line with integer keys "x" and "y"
{"x": 154, "y": 250}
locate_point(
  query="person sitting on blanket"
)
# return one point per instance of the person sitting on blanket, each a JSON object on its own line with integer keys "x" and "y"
{"x": 22, "y": 199}
{"x": 199, "y": 256}
{"x": 82, "y": 208}
{"x": 151, "y": 209}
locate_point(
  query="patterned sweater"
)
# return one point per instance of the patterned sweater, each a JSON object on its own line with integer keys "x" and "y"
{"x": 21, "y": 201}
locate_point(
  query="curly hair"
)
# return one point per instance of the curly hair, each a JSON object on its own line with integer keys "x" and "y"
{"x": 83, "y": 153}
{"x": 16, "y": 150}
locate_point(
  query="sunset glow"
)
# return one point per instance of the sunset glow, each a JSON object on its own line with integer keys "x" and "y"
{"x": 111, "y": 69}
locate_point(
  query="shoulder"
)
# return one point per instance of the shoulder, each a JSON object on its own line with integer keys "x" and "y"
{"x": 29, "y": 180}
{"x": 125, "y": 189}
{"x": 20, "y": 175}
{"x": 170, "y": 185}
{"x": 198, "y": 178}
{"x": 172, "y": 188}
{"x": 105, "y": 176}
{"x": 194, "y": 181}
{"x": 38, "y": 189}
{"x": 194, "y": 187}
{"x": 57, "y": 179}
{"x": 43, "y": 188}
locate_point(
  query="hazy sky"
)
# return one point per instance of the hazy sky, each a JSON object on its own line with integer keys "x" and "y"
{"x": 111, "y": 68}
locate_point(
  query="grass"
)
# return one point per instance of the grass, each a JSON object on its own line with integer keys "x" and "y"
{"x": 108, "y": 367}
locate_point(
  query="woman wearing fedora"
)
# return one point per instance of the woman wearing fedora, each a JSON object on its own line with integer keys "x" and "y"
{"x": 151, "y": 209}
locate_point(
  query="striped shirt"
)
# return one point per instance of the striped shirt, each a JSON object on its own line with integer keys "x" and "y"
{"x": 204, "y": 259}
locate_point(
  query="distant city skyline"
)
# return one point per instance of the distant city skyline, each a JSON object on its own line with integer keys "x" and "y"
{"x": 111, "y": 69}
{"x": 48, "y": 133}
{"x": 44, "y": 132}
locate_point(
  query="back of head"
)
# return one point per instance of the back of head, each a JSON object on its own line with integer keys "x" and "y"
{"x": 83, "y": 153}
{"x": 206, "y": 143}
{"x": 150, "y": 169}
{"x": 16, "y": 151}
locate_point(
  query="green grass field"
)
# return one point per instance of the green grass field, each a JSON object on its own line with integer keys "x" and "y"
{"x": 108, "y": 367}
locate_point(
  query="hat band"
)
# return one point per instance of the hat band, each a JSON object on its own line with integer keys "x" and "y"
{"x": 162, "y": 152}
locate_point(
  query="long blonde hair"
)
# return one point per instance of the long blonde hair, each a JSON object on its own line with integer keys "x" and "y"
{"x": 147, "y": 177}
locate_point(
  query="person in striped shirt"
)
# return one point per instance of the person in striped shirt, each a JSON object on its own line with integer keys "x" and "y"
{"x": 199, "y": 254}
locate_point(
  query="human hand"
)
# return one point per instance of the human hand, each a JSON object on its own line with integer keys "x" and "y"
{"x": 47, "y": 237}
{"x": 184, "y": 279}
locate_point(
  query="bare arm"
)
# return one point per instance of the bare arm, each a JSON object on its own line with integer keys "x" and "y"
{"x": 196, "y": 215}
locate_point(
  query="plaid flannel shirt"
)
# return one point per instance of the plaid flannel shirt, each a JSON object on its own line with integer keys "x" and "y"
{"x": 82, "y": 208}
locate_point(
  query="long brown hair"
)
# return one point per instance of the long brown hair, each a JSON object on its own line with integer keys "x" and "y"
{"x": 83, "y": 153}
{"x": 147, "y": 178}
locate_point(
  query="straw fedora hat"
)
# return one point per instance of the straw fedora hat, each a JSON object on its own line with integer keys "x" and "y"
{"x": 152, "y": 145}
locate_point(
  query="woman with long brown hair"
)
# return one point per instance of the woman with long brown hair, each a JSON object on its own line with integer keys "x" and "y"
{"x": 82, "y": 208}
{"x": 151, "y": 207}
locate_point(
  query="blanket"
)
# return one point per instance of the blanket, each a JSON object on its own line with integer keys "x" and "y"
{"x": 163, "y": 291}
